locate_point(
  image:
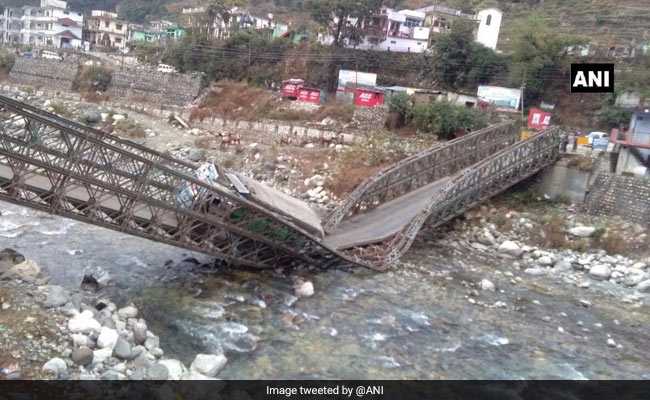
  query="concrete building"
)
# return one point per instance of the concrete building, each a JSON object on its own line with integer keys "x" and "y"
{"x": 634, "y": 145}
{"x": 103, "y": 29}
{"x": 240, "y": 19}
{"x": 489, "y": 25}
{"x": 401, "y": 31}
{"x": 50, "y": 25}
{"x": 488, "y": 22}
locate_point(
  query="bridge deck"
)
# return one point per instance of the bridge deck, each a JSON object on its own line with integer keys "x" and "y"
{"x": 383, "y": 221}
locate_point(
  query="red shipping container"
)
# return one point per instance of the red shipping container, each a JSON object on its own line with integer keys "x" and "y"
{"x": 309, "y": 95}
{"x": 538, "y": 119}
{"x": 368, "y": 97}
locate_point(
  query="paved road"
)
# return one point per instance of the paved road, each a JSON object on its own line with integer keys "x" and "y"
{"x": 383, "y": 221}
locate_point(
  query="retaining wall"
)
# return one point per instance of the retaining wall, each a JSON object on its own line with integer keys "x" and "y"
{"x": 274, "y": 132}
{"x": 153, "y": 87}
{"x": 51, "y": 75}
{"x": 624, "y": 196}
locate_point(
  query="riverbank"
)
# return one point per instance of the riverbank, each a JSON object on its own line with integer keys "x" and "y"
{"x": 461, "y": 304}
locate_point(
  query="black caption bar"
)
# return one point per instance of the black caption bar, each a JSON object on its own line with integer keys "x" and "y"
{"x": 298, "y": 390}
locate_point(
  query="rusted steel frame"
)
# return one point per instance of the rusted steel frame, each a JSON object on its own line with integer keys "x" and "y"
{"x": 222, "y": 192}
{"x": 127, "y": 145}
{"x": 412, "y": 167}
{"x": 252, "y": 213}
{"x": 111, "y": 190}
{"x": 469, "y": 188}
{"x": 73, "y": 155}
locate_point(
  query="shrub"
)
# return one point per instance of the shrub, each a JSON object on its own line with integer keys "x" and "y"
{"x": 7, "y": 61}
{"x": 446, "y": 119}
{"x": 93, "y": 79}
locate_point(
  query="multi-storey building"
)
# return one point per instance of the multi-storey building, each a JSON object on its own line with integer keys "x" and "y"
{"x": 400, "y": 31}
{"x": 239, "y": 19}
{"x": 50, "y": 25}
{"x": 103, "y": 29}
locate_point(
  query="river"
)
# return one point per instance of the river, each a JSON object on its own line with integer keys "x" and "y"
{"x": 415, "y": 322}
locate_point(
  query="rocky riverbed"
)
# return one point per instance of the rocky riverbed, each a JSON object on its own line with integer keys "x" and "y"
{"x": 482, "y": 298}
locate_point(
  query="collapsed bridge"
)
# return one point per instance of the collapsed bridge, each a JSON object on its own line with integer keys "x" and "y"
{"x": 68, "y": 169}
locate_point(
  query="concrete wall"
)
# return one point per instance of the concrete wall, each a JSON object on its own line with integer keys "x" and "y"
{"x": 49, "y": 74}
{"x": 560, "y": 181}
{"x": 625, "y": 196}
{"x": 274, "y": 132}
{"x": 154, "y": 87}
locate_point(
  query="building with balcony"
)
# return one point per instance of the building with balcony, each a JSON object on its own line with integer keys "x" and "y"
{"x": 440, "y": 19}
{"x": 197, "y": 19}
{"x": 633, "y": 145}
{"x": 50, "y": 25}
{"x": 399, "y": 31}
{"x": 104, "y": 30}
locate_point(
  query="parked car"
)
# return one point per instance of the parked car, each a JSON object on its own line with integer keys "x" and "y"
{"x": 166, "y": 69}
{"x": 596, "y": 135}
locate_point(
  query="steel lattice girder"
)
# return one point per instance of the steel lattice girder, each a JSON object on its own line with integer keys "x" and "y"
{"x": 64, "y": 168}
{"x": 473, "y": 185}
{"x": 423, "y": 168}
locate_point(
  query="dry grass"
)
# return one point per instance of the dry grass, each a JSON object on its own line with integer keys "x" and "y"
{"x": 234, "y": 100}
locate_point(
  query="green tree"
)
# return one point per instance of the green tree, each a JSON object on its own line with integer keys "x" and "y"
{"x": 343, "y": 21}
{"x": 446, "y": 119}
{"x": 461, "y": 62}
{"x": 539, "y": 57}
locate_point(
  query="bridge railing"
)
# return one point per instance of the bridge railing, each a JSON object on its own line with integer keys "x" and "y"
{"x": 421, "y": 169}
{"x": 467, "y": 189}
{"x": 59, "y": 168}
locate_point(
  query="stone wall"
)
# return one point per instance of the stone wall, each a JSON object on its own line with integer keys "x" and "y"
{"x": 624, "y": 196}
{"x": 51, "y": 75}
{"x": 274, "y": 132}
{"x": 153, "y": 87}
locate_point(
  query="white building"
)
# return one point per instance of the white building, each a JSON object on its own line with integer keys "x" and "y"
{"x": 50, "y": 25}
{"x": 240, "y": 19}
{"x": 104, "y": 29}
{"x": 489, "y": 25}
{"x": 390, "y": 30}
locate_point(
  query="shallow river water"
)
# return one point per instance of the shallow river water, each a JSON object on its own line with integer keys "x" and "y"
{"x": 413, "y": 322}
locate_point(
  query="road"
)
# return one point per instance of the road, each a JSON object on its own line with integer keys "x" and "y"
{"x": 383, "y": 221}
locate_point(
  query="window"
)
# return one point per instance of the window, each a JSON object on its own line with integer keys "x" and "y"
{"x": 488, "y": 21}
{"x": 393, "y": 42}
{"x": 118, "y": 27}
{"x": 106, "y": 24}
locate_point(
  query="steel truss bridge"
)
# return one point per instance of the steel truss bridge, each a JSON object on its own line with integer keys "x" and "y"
{"x": 68, "y": 169}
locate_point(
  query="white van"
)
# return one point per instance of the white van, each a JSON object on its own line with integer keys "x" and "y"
{"x": 51, "y": 55}
{"x": 166, "y": 69}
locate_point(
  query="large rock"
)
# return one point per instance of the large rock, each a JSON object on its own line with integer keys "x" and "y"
{"x": 56, "y": 367}
{"x": 487, "y": 285}
{"x": 157, "y": 372}
{"x": 304, "y": 288}
{"x": 27, "y": 271}
{"x": 127, "y": 312}
{"x": 176, "y": 368}
{"x": 84, "y": 323}
{"x": 209, "y": 364}
{"x": 91, "y": 116}
{"x": 600, "y": 272}
{"x": 196, "y": 155}
{"x": 82, "y": 356}
{"x": 140, "y": 332}
{"x": 9, "y": 258}
{"x": 582, "y": 231}
{"x": 95, "y": 278}
{"x": 56, "y": 297}
{"x": 107, "y": 338}
{"x": 644, "y": 287}
{"x": 101, "y": 355}
{"x": 511, "y": 248}
{"x": 122, "y": 349}
{"x": 634, "y": 277}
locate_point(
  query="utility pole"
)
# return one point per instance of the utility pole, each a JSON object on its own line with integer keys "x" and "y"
{"x": 523, "y": 92}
